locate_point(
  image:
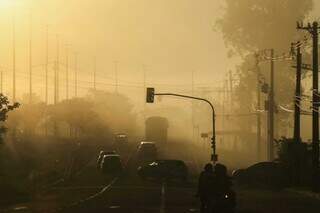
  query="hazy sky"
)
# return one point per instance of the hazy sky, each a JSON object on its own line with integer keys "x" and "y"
{"x": 171, "y": 38}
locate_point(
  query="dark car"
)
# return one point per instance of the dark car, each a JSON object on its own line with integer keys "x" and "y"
{"x": 101, "y": 154}
{"x": 147, "y": 151}
{"x": 164, "y": 169}
{"x": 111, "y": 164}
{"x": 268, "y": 174}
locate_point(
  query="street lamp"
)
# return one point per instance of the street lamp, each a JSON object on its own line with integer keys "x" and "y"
{"x": 150, "y": 99}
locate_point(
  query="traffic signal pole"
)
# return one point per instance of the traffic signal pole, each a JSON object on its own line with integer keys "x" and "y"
{"x": 150, "y": 99}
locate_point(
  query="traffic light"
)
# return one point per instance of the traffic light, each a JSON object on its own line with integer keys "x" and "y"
{"x": 150, "y": 95}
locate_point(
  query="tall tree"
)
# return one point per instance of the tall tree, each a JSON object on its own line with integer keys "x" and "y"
{"x": 252, "y": 25}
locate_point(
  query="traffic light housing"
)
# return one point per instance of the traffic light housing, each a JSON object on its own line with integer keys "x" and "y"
{"x": 150, "y": 95}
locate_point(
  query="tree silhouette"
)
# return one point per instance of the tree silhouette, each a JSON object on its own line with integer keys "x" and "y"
{"x": 5, "y": 107}
{"x": 252, "y": 25}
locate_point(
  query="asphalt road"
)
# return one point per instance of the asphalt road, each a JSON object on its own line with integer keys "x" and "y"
{"x": 139, "y": 197}
{"x": 94, "y": 192}
{"x": 130, "y": 194}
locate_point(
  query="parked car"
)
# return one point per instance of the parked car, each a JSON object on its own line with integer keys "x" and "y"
{"x": 111, "y": 164}
{"x": 168, "y": 169}
{"x": 267, "y": 174}
{"x": 147, "y": 151}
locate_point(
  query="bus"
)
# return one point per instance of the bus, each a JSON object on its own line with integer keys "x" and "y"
{"x": 156, "y": 129}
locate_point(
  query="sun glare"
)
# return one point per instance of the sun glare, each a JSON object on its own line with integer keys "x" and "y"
{"x": 6, "y": 3}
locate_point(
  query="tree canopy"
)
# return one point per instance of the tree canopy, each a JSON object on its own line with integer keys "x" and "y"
{"x": 248, "y": 26}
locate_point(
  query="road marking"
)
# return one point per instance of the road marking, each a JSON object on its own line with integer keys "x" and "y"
{"x": 76, "y": 188}
{"x": 121, "y": 187}
{"x": 105, "y": 188}
{"x": 20, "y": 208}
{"x": 163, "y": 197}
{"x": 114, "y": 207}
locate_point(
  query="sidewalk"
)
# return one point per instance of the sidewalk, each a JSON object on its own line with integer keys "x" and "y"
{"x": 266, "y": 201}
{"x": 304, "y": 192}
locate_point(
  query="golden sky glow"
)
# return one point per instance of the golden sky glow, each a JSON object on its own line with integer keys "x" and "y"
{"x": 170, "y": 38}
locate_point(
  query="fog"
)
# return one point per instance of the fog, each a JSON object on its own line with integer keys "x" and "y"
{"x": 173, "y": 46}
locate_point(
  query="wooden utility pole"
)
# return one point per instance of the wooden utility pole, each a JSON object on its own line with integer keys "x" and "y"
{"x": 76, "y": 74}
{"x": 67, "y": 72}
{"x": 298, "y": 96}
{"x": 315, "y": 109}
{"x": 192, "y": 109}
{"x": 14, "y": 57}
{"x": 116, "y": 75}
{"x": 313, "y": 30}
{"x": 58, "y": 69}
{"x": 1, "y": 79}
{"x": 30, "y": 58}
{"x": 231, "y": 87}
{"x": 56, "y": 72}
{"x": 258, "y": 108}
{"x": 271, "y": 109}
{"x": 94, "y": 72}
{"x": 144, "y": 89}
{"x": 47, "y": 62}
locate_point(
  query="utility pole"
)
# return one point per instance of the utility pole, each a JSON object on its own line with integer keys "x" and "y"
{"x": 116, "y": 75}
{"x": 55, "y": 83}
{"x": 30, "y": 58}
{"x": 231, "y": 87}
{"x": 1, "y": 79}
{"x": 67, "y": 72}
{"x": 258, "y": 108}
{"x": 192, "y": 108}
{"x": 271, "y": 108}
{"x": 144, "y": 87}
{"x": 47, "y": 62}
{"x": 14, "y": 57}
{"x": 223, "y": 106}
{"x": 230, "y": 104}
{"x": 58, "y": 69}
{"x": 313, "y": 30}
{"x": 94, "y": 72}
{"x": 298, "y": 96}
{"x": 315, "y": 109}
{"x": 271, "y": 104}
{"x": 76, "y": 74}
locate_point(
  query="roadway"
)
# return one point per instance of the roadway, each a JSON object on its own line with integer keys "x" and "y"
{"x": 92, "y": 191}
{"x": 128, "y": 193}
